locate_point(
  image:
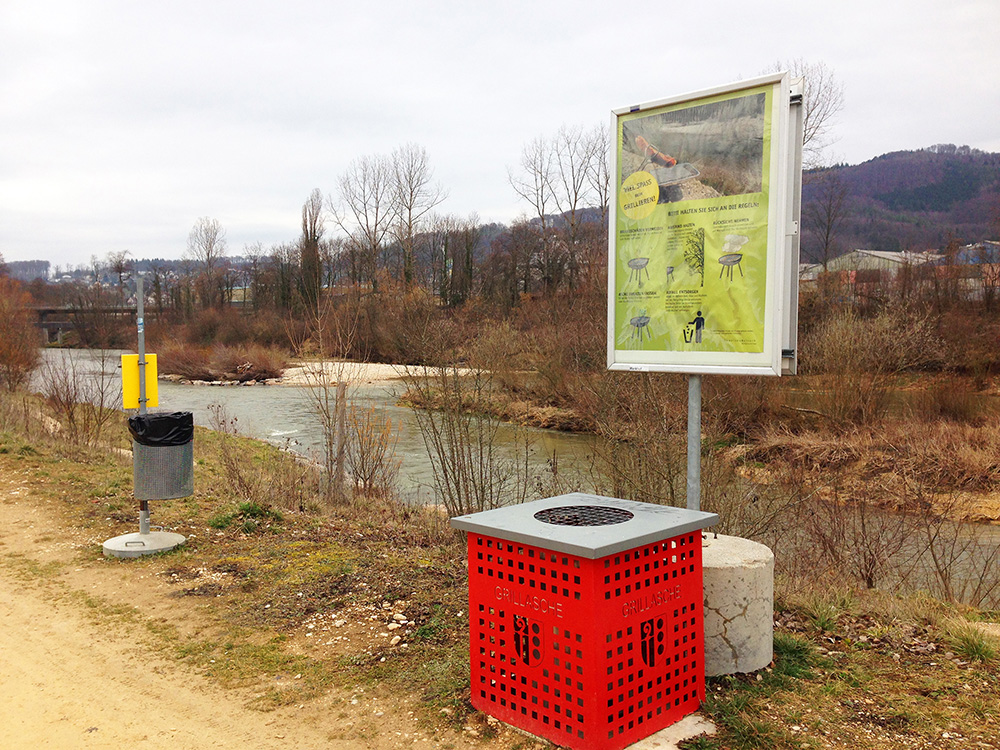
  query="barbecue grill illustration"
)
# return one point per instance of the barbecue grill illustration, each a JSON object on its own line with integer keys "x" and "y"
{"x": 636, "y": 267}
{"x": 732, "y": 255}
{"x": 641, "y": 325}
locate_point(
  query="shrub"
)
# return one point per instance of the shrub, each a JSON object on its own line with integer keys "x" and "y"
{"x": 18, "y": 337}
{"x": 188, "y": 361}
{"x": 860, "y": 359}
{"x": 243, "y": 363}
{"x": 953, "y": 400}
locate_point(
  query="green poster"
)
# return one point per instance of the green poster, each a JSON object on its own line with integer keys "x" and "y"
{"x": 690, "y": 245}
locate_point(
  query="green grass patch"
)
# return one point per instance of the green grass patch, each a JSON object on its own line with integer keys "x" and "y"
{"x": 248, "y": 517}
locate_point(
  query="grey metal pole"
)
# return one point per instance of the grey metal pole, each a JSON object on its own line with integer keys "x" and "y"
{"x": 140, "y": 325}
{"x": 694, "y": 443}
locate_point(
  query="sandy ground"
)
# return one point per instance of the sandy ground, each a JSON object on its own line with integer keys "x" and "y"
{"x": 67, "y": 683}
{"x": 334, "y": 372}
{"x": 328, "y": 372}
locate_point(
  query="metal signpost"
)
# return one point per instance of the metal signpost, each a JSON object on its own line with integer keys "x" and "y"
{"x": 158, "y": 472}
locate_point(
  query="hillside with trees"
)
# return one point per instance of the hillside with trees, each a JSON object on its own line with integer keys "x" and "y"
{"x": 904, "y": 200}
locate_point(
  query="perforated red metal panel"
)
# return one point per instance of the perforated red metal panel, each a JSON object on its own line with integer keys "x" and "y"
{"x": 586, "y": 653}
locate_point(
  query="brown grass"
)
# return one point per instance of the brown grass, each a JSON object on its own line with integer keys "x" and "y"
{"x": 940, "y": 455}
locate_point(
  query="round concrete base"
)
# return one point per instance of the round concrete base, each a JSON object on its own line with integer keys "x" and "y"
{"x": 137, "y": 545}
{"x": 739, "y": 605}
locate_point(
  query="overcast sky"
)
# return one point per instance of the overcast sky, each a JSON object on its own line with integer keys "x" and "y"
{"x": 124, "y": 121}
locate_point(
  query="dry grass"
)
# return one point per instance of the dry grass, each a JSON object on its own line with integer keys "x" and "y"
{"x": 941, "y": 456}
{"x": 863, "y": 670}
{"x": 861, "y": 360}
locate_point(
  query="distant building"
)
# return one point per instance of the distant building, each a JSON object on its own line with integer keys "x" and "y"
{"x": 880, "y": 260}
{"x": 979, "y": 253}
{"x": 971, "y": 272}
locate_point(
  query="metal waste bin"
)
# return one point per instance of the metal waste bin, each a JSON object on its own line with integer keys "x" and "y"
{"x": 585, "y": 617}
{"x": 162, "y": 455}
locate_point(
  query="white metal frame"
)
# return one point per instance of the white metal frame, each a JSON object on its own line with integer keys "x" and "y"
{"x": 781, "y": 288}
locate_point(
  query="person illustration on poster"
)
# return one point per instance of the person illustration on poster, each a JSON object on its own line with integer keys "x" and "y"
{"x": 699, "y": 326}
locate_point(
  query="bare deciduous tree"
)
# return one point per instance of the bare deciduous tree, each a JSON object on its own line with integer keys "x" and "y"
{"x": 119, "y": 263}
{"x": 414, "y": 195}
{"x": 823, "y": 215}
{"x": 206, "y": 245}
{"x": 565, "y": 174}
{"x": 253, "y": 273}
{"x": 364, "y": 211}
{"x": 572, "y": 153}
{"x": 824, "y": 99}
{"x": 534, "y": 183}
{"x": 599, "y": 171}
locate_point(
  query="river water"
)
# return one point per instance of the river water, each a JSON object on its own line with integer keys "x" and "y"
{"x": 285, "y": 416}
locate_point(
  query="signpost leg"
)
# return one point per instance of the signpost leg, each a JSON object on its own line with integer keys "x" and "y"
{"x": 141, "y": 326}
{"x": 694, "y": 443}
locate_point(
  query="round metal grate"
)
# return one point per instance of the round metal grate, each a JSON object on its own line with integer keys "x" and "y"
{"x": 583, "y": 515}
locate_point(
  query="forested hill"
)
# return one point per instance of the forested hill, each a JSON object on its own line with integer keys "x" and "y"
{"x": 906, "y": 200}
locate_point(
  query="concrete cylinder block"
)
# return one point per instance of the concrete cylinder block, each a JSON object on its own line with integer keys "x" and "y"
{"x": 739, "y": 604}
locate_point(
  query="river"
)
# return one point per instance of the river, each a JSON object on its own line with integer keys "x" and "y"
{"x": 285, "y": 416}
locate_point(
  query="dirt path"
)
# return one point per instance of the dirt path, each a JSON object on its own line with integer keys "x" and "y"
{"x": 68, "y": 684}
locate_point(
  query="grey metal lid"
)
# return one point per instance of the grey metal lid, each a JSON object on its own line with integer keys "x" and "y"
{"x": 590, "y": 526}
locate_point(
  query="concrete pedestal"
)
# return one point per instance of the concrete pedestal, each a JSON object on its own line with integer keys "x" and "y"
{"x": 137, "y": 545}
{"x": 739, "y": 605}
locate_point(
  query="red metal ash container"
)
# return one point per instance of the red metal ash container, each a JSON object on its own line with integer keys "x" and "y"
{"x": 585, "y": 617}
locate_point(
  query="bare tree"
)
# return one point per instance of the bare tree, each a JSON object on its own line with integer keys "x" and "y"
{"x": 824, "y": 99}
{"x": 824, "y": 213}
{"x": 283, "y": 268}
{"x": 599, "y": 171}
{"x": 534, "y": 183}
{"x": 441, "y": 241}
{"x": 533, "y": 180}
{"x": 159, "y": 281}
{"x": 253, "y": 273}
{"x": 331, "y": 255}
{"x": 364, "y": 210}
{"x": 119, "y": 263}
{"x": 570, "y": 188}
{"x": 206, "y": 245}
{"x": 312, "y": 233}
{"x": 469, "y": 231}
{"x": 415, "y": 195}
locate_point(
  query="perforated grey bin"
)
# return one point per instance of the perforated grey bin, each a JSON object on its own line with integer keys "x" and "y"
{"x": 162, "y": 455}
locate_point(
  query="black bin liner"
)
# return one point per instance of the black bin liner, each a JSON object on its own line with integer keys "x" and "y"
{"x": 162, "y": 430}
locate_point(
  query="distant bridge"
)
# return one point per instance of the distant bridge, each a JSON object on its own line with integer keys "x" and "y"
{"x": 55, "y": 322}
